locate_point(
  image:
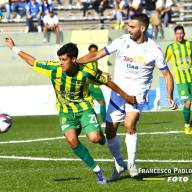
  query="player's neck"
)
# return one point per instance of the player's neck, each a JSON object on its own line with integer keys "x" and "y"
{"x": 142, "y": 39}
{"x": 73, "y": 70}
{"x": 181, "y": 42}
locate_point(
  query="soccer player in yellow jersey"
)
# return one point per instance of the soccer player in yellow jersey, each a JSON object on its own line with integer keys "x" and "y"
{"x": 95, "y": 90}
{"x": 74, "y": 103}
{"x": 180, "y": 53}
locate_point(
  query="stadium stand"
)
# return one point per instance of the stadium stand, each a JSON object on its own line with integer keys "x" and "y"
{"x": 71, "y": 17}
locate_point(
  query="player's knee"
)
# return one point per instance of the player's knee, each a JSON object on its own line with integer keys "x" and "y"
{"x": 131, "y": 129}
{"x": 73, "y": 142}
{"x": 94, "y": 138}
{"x": 110, "y": 132}
{"x": 102, "y": 102}
{"x": 188, "y": 104}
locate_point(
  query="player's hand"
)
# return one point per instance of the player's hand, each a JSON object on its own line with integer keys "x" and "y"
{"x": 131, "y": 100}
{"x": 172, "y": 104}
{"x": 10, "y": 43}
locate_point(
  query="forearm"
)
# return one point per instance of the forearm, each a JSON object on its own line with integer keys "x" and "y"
{"x": 170, "y": 85}
{"x": 117, "y": 89}
{"x": 90, "y": 57}
{"x": 25, "y": 56}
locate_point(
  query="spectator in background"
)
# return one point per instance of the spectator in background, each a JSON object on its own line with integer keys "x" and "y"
{"x": 18, "y": 9}
{"x": 85, "y": 4}
{"x": 135, "y": 7}
{"x": 160, "y": 5}
{"x": 156, "y": 23}
{"x": 120, "y": 5}
{"x": 51, "y": 23}
{"x": 47, "y": 6}
{"x": 99, "y": 6}
{"x": 167, "y": 12}
{"x": 33, "y": 11}
{"x": 149, "y": 7}
{"x": 5, "y": 4}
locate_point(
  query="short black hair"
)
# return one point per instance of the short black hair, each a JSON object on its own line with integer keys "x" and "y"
{"x": 179, "y": 27}
{"x": 70, "y": 49}
{"x": 143, "y": 18}
{"x": 93, "y": 46}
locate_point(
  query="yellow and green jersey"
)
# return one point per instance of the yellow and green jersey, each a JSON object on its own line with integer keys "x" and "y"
{"x": 94, "y": 66}
{"x": 181, "y": 58}
{"x": 71, "y": 91}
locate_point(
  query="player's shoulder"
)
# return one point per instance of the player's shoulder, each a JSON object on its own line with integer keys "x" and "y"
{"x": 47, "y": 64}
{"x": 188, "y": 42}
{"x": 91, "y": 65}
{"x": 151, "y": 42}
{"x": 123, "y": 38}
{"x": 154, "y": 47}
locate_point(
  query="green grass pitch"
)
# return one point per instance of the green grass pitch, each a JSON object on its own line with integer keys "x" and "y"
{"x": 54, "y": 175}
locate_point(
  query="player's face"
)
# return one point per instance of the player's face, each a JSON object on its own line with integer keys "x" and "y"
{"x": 135, "y": 29}
{"x": 93, "y": 50}
{"x": 66, "y": 62}
{"x": 179, "y": 35}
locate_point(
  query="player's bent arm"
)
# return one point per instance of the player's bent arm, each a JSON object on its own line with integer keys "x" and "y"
{"x": 25, "y": 56}
{"x": 90, "y": 57}
{"x": 116, "y": 88}
{"x": 169, "y": 82}
{"x": 170, "y": 87}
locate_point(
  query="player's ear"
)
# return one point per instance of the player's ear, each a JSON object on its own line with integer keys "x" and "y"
{"x": 143, "y": 28}
{"x": 74, "y": 59}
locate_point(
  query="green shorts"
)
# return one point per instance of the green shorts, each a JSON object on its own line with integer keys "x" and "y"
{"x": 185, "y": 91}
{"x": 96, "y": 92}
{"x": 87, "y": 120}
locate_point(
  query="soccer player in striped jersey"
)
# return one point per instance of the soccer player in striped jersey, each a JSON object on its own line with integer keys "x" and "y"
{"x": 95, "y": 90}
{"x": 136, "y": 57}
{"x": 180, "y": 54}
{"x": 74, "y": 103}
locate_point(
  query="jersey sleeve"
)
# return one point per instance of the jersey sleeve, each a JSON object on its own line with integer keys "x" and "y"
{"x": 160, "y": 60}
{"x": 45, "y": 67}
{"x": 168, "y": 53}
{"x": 96, "y": 77}
{"x": 114, "y": 46}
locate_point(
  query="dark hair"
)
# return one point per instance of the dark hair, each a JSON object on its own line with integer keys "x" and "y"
{"x": 179, "y": 27}
{"x": 143, "y": 18}
{"x": 93, "y": 46}
{"x": 70, "y": 49}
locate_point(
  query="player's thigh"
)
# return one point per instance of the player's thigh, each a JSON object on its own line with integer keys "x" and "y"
{"x": 89, "y": 122}
{"x": 72, "y": 137}
{"x": 111, "y": 129}
{"x": 184, "y": 91}
{"x": 68, "y": 121}
{"x": 116, "y": 109}
{"x": 131, "y": 119}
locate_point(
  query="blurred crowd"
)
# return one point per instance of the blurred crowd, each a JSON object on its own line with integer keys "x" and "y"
{"x": 42, "y": 12}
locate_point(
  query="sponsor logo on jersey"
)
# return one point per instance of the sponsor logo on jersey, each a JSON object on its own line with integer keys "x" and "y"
{"x": 138, "y": 59}
{"x": 65, "y": 126}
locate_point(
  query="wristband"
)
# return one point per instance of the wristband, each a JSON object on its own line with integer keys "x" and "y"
{"x": 16, "y": 50}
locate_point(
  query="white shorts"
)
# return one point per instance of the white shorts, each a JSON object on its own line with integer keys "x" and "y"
{"x": 118, "y": 108}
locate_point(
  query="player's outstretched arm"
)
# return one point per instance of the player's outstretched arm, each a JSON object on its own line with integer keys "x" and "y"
{"x": 25, "y": 56}
{"x": 116, "y": 88}
{"x": 170, "y": 87}
{"x": 90, "y": 57}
